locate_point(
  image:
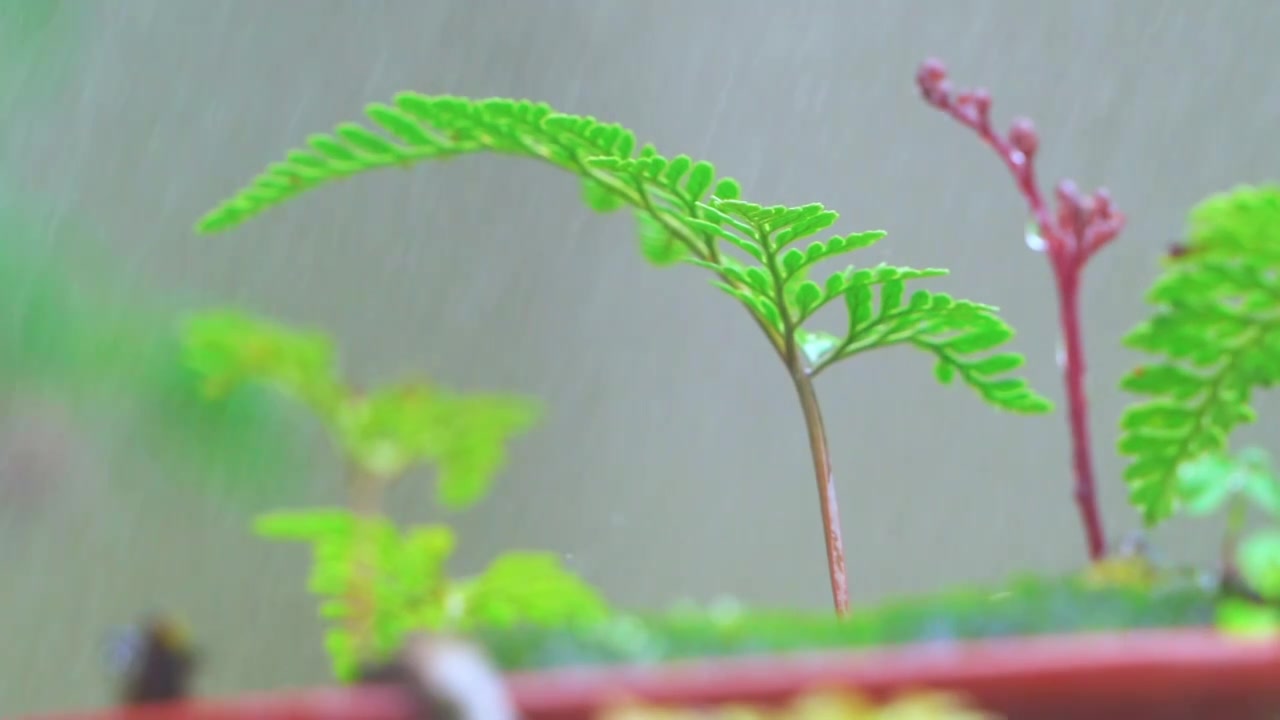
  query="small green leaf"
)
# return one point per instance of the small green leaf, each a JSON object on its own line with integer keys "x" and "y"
{"x": 676, "y": 170}
{"x": 891, "y": 296}
{"x": 333, "y": 150}
{"x": 1264, "y": 491}
{"x": 858, "y": 301}
{"x": 997, "y": 364}
{"x": 334, "y": 610}
{"x": 727, "y": 189}
{"x": 530, "y": 588}
{"x": 401, "y": 124}
{"x": 227, "y": 348}
{"x": 700, "y": 180}
{"x": 808, "y": 295}
{"x": 313, "y": 524}
{"x": 980, "y": 339}
{"x": 658, "y": 246}
{"x": 1177, "y": 382}
{"x": 1206, "y": 483}
{"x": 813, "y": 221}
{"x": 944, "y": 371}
{"x": 1242, "y": 618}
{"x": 342, "y": 653}
{"x": 365, "y": 140}
{"x": 475, "y": 450}
{"x": 600, "y": 198}
{"x": 861, "y": 240}
{"x": 1259, "y": 560}
{"x": 758, "y": 280}
{"x": 1159, "y": 414}
{"x": 792, "y": 260}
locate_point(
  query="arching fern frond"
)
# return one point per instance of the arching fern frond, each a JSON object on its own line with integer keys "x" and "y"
{"x": 685, "y": 214}
{"x": 1216, "y": 331}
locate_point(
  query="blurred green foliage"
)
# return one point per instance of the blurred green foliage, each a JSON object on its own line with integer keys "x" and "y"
{"x": 397, "y": 583}
{"x": 379, "y": 583}
{"x": 1025, "y": 606}
{"x": 386, "y": 431}
{"x": 70, "y": 331}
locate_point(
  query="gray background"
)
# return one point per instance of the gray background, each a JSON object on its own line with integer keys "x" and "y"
{"x": 672, "y": 462}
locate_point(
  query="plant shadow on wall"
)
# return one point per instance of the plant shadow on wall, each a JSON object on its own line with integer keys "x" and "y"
{"x": 1211, "y": 338}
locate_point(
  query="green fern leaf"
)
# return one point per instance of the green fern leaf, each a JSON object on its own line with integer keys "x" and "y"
{"x": 959, "y": 333}
{"x": 685, "y": 214}
{"x": 529, "y": 588}
{"x": 308, "y": 525}
{"x": 228, "y": 348}
{"x": 388, "y": 431}
{"x": 658, "y": 245}
{"x": 599, "y": 198}
{"x": 1216, "y": 332}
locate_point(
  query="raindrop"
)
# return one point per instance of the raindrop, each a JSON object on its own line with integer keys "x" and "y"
{"x": 1034, "y": 241}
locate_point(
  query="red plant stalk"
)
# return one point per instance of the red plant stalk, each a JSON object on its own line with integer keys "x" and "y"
{"x": 1082, "y": 225}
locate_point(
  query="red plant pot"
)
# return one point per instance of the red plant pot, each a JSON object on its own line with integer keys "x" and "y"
{"x": 1123, "y": 676}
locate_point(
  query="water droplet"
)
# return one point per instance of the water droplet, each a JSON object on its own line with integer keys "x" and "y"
{"x": 1034, "y": 241}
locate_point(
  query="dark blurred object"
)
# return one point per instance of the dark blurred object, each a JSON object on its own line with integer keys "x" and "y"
{"x": 446, "y": 679}
{"x": 159, "y": 665}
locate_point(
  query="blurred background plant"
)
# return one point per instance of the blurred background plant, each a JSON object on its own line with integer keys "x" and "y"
{"x": 80, "y": 342}
{"x": 379, "y": 582}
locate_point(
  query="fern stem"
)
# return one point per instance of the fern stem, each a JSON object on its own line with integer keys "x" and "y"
{"x": 1073, "y": 374}
{"x": 828, "y": 503}
{"x": 1081, "y": 226}
{"x": 365, "y": 498}
{"x": 802, "y": 378}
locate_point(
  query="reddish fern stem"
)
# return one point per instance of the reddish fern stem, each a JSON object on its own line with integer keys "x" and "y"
{"x": 1082, "y": 225}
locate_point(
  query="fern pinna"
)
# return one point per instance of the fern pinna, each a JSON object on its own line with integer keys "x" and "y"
{"x": 1216, "y": 333}
{"x": 685, "y": 214}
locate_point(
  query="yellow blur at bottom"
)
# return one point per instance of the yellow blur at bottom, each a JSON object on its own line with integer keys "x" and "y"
{"x": 817, "y": 706}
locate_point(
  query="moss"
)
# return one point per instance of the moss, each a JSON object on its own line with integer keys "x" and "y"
{"x": 1027, "y": 606}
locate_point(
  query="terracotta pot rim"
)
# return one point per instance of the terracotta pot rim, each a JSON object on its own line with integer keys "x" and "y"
{"x": 1133, "y": 667}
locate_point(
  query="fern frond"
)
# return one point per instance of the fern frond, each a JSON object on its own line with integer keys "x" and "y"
{"x": 959, "y": 333}
{"x": 685, "y": 214}
{"x": 1216, "y": 332}
{"x": 420, "y": 127}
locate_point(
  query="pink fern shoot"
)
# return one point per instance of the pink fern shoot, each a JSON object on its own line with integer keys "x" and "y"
{"x": 1072, "y": 233}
